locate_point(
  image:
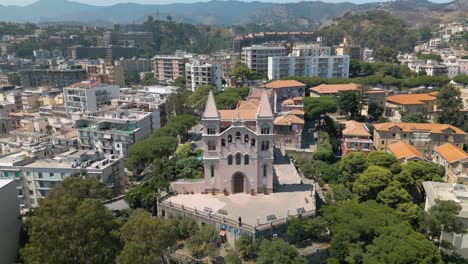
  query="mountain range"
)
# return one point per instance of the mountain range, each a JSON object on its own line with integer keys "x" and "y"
{"x": 298, "y": 16}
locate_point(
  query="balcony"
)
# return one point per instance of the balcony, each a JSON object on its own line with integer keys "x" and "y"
{"x": 413, "y": 139}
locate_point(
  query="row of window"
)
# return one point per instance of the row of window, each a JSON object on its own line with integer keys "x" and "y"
{"x": 211, "y": 144}
{"x": 246, "y": 159}
{"x": 238, "y": 159}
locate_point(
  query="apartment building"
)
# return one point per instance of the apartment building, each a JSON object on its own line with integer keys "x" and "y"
{"x": 228, "y": 60}
{"x": 169, "y": 67}
{"x": 347, "y": 48}
{"x": 431, "y": 68}
{"x": 455, "y": 162}
{"x": 10, "y": 222}
{"x": 133, "y": 38}
{"x": 113, "y": 131}
{"x": 108, "y": 52}
{"x": 404, "y": 152}
{"x": 34, "y": 177}
{"x": 305, "y": 50}
{"x": 199, "y": 72}
{"x": 355, "y": 138}
{"x": 423, "y": 136}
{"x": 324, "y": 66}
{"x": 88, "y": 96}
{"x": 53, "y": 78}
{"x": 135, "y": 65}
{"x": 411, "y": 103}
{"x": 105, "y": 72}
{"x": 332, "y": 89}
{"x": 256, "y": 56}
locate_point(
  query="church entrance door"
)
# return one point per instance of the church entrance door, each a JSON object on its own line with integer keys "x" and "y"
{"x": 238, "y": 183}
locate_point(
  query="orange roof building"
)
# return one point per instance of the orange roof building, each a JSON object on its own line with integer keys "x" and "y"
{"x": 404, "y": 152}
{"x": 281, "y": 91}
{"x": 411, "y": 103}
{"x": 451, "y": 154}
{"x": 455, "y": 162}
{"x": 280, "y": 84}
{"x": 355, "y": 137}
{"x": 423, "y": 136}
{"x": 355, "y": 129}
{"x": 288, "y": 120}
{"x": 332, "y": 89}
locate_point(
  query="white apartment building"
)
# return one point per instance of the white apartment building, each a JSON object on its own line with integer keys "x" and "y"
{"x": 321, "y": 66}
{"x": 35, "y": 177}
{"x": 198, "y": 73}
{"x": 432, "y": 68}
{"x": 10, "y": 222}
{"x": 113, "y": 131}
{"x": 135, "y": 65}
{"x": 256, "y": 56}
{"x": 310, "y": 50}
{"x": 88, "y": 96}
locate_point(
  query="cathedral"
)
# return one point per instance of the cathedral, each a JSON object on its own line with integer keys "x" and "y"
{"x": 238, "y": 147}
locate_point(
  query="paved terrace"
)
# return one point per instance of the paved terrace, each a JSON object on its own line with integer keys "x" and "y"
{"x": 290, "y": 198}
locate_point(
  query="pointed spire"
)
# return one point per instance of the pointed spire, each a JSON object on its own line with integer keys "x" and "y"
{"x": 211, "y": 111}
{"x": 264, "y": 109}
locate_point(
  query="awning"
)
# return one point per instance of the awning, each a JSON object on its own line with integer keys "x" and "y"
{"x": 222, "y": 233}
{"x": 108, "y": 136}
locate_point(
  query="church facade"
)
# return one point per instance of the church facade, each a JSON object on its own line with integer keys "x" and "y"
{"x": 238, "y": 148}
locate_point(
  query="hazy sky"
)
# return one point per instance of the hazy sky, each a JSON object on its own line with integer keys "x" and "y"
{"x": 111, "y": 2}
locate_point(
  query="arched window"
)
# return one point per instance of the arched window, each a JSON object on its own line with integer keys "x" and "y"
{"x": 265, "y": 130}
{"x": 229, "y": 158}
{"x": 265, "y": 145}
{"x": 246, "y": 138}
{"x": 265, "y": 170}
{"x": 229, "y": 138}
{"x": 223, "y": 142}
{"x": 212, "y": 171}
{"x": 238, "y": 159}
{"x": 211, "y": 145}
{"x": 246, "y": 159}
{"x": 252, "y": 143}
{"x": 238, "y": 135}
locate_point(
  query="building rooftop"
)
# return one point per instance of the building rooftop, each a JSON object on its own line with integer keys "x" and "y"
{"x": 451, "y": 153}
{"x": 447, "y": 192}
{"x": 85, "y": 84}
{"x": 418, "y": 127}
{"x": 279, "y": 84}
{"x": 333, "y": 88}
{"x": 5, "y": 182}
{"x": 402, "y": 150}
{"x": 412, "y": 99}
{"x": 353, "y": 128}
{"x": 288, "y": 120}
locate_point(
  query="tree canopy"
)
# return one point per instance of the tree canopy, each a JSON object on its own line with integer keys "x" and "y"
{"x": 314, "y": 107}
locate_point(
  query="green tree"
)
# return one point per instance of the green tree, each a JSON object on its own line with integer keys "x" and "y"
{"x": 296, "y": 228}
{"x": 413, "y": 118}
{"x": 149, "y": 79}
{"x": 349, "y": 102}
{"x": 353, "y": 164}
{"x": 393, "y": 195}
{"x": 246, "y": 247}
{"x": 232, "y": 258}
{"x": 375, "y": 110}
{"x": 146, "y": 239}
{"x": 64, "y": 225}
{"x": 385, "y": 54}
{"x": 314, "y": 107}
{"x": 242, "y": 72}
{"x": 461, "y": 79}
{"x": 382, "y": 159}
{"x": 373, "y": 180}
{"x": 277, "y": 251}
{"x": 180, "y": 82}
{"x": 449, "y": 103}
{"x": 443, "y": 217}
{"x": 184, "y": 150}
{"x": 198, "y": 98}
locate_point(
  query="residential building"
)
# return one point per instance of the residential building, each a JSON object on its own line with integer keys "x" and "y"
{"x": 325, "y": 66}
{"x": 450, "y": 192}
{"x": 455, "y": 162}
{"x": 228, "y": 60}
{"x": 431, "y": 68}
{"x": 88, "y": 96}
{"x": 288, "y": 130}
{"x": 307, "y": 50}
{"x": 377, "y": 96}
{"x": 105, "y": 72}
{"x": 199, "y": 73}
{"x": 238, "y": 150}
{"x": 169, "y": 67}
{"x": 10, "y": 222}
{"x": 135, "y": 65}
{"x": 346, "y": 48}
{"x": 108, "y": 52}
{"x": 113, "y": 131}
{"x": 355, "y": 137}
{"x": 256, "y": 56}
{"x": 332, "y": 89}
{"x": 424, "y": 103}
{"x": 423, "y": 136}
{"x": 281, "y": 90}
{"x": 404, "y": 152}
{"x": 368, "y": 55}
{"x": 53, "y": 78}
{"x": 134, "y": 39}
{"x": 6, "y": 125}
{"x": 34, "y": 177}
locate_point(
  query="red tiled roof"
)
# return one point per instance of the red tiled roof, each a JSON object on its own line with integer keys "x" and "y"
{"x": 354, "y": 128}
{"x": 415, "y": 127}
{"x": 401, "y": 150}
{"x": 283, "y": 84}
{"x": 411, "y": 99}
{"x": 333, "y": 88}
{"x": 451, "y": 153}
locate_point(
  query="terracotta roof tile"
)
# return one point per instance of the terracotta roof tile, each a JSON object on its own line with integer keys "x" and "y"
{"x": 287, "y": 120}
{"x": 418, "y": 127}
{"x": 354, "y": 128}
{"x": 248, "y": 105}
{"x": 234, "y": 114}
{"x": 283, "y": 84}
{"x": 333, "y": 88}
{"x": 410, "y": 99}
{"x": 296, "y": 112}
{"x": 451, "y": 153}
{"x": 402, "y": 150}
